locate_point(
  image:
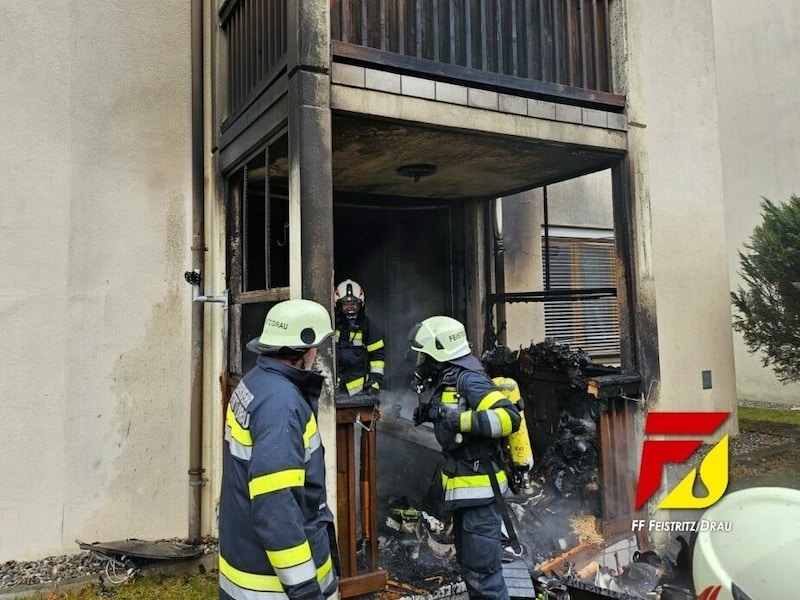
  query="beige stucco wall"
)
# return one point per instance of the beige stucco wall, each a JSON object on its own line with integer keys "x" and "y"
{"x": 668, "y": 75}
{"x": 757, "y": 44}
{"x": 95, "y": 172}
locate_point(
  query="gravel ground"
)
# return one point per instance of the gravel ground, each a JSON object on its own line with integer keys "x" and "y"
{"x": 67, "y": 567}
{"x": 54, "y": 569}
{"x": 771, "y": 405}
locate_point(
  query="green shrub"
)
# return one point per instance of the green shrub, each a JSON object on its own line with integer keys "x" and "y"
{"x": 768, "y": 304}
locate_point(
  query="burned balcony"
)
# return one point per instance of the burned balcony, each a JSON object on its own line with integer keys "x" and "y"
{"x": 558, "y": 50}
{"x": 554, "y": 49}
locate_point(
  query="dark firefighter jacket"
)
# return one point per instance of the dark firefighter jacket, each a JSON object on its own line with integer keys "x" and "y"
{"x": 485, "y": 416}
{"x": 273, "y": 514}
{"x": 360, "y": 354}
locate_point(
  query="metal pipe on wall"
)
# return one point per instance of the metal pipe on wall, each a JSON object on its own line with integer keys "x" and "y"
{"x": 196, "y": 470}
{"x": 499, "y": 269}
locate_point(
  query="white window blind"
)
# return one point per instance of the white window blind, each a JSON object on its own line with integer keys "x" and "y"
{"x": 583, "y": 260}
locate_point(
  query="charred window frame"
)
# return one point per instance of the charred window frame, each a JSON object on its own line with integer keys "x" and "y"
{"x": 581, "y": 259}
{"x": 258, "y": 245}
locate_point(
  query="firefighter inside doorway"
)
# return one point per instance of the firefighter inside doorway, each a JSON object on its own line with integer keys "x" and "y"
{"x": 360, "y": 350}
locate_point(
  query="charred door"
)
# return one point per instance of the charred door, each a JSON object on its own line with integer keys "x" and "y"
{"x": 403, "y": 258}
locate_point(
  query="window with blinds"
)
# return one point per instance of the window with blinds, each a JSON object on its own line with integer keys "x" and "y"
{"x": 582, "y": 259}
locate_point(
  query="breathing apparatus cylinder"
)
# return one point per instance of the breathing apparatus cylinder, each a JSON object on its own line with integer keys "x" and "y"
{"x": 519, "y": 442}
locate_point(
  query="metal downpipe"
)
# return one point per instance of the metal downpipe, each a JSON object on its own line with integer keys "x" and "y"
{"x": 499, "y": 269}
{"x": 196, "y": 470}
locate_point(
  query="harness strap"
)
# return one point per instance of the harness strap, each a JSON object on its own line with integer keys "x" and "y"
{"x": 501, "y": 505}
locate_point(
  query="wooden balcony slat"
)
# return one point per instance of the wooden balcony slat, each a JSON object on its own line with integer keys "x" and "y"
{"x": 468, "y": 32}
{"x": 606, "y": 78}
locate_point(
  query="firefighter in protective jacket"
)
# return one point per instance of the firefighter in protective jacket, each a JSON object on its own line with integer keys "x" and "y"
{"x": 360, "y": 351}
{"x": 470, "y": 417}
{"x": 275, "y": 528}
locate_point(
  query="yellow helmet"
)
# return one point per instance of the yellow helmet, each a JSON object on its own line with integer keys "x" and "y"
{"x": 296, "y": 324}
{"x": 442, "y": 338}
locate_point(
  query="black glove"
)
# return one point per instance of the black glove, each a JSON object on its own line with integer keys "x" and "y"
{"x": 372, "y": 386}
{"x": 452, "y": 417}
{"x": 426, "y": 413}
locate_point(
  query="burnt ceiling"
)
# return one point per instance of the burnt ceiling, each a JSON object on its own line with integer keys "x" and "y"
{"x": 368, "y": 152}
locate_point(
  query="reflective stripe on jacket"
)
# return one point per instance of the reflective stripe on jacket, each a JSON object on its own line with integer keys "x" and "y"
{"x": 486, "y": 415}
{"x": 273, "y": 515}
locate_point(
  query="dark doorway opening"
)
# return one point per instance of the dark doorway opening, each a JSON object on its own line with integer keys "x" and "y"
{"x": 403, "y": 258}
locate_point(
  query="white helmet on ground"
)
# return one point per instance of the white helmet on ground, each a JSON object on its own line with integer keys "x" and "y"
{"x": 442, "y": 338}
{"x": 295, "y": 324}
{"x": 349, "y": 297}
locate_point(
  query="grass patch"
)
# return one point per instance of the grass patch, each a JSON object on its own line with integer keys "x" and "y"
{"x": 768, "y": 415}
{"x": 156, "y": 587}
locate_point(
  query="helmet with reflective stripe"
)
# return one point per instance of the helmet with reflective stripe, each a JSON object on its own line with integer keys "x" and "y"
{"x": 442, "y": 338}
{"x": 349, "y": 296}
{"x": 295, "y": 324}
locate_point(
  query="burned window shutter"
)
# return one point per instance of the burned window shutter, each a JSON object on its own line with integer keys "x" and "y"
{"x": 590, "y": 324}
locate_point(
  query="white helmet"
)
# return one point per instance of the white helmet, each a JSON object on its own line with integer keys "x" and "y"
{"x": 296, "y": 324}
{"x": 747, "y": 545}
{"x": 349, "y": 296}
{"x": 442, "y": 338}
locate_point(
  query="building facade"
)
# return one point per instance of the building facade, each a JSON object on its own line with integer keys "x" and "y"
{"x": 760, "y": 137}
{"x": 272, "y": 147}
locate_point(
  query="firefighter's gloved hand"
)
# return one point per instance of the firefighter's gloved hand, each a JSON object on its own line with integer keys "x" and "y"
{"x": 452, "y": 416}
{"x": 426, "y": 413}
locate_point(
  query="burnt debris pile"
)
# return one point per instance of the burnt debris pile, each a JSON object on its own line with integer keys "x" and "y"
{"x": 560, "y": 413}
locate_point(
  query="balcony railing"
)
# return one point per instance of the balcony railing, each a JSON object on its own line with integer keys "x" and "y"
{"x": 563, "y": 42}
{"x": 256, "y": 43}
{"x": 556, "y": 48}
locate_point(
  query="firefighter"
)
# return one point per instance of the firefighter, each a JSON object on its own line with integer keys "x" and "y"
{"x": 276, "y": 535}
{"x": 470, "y": 417}
{"x": 360, "y": 351}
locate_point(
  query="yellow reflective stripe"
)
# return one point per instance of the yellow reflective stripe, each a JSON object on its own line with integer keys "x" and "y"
{"x": 251, "y": 581}
{"x": 290, "y": 557}
{"x": 350, "y": 385}
{"x": 490, "y": 399}
{"x": 450, "y": 397}
{"x": 277, "y": 481}
{"x": 465, "y": 421}
{"x": 357, "y": 335}
{"x": 311, "y": 429}
{"x": 238, "y": 433}
{"x": 379, "y": 364}
{"x": 375, "y": 346}
{"x": 271, "y": 583}
{"x": 472, "y": 481}
{"x": 325, "y": 569}
{"x": 472, "y": 487}
{"x": 505, "y": 422}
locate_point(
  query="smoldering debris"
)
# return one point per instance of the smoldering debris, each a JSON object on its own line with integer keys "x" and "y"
{"x": 561, "y": 515}
{"x": 418, "y": 552}
{"x": 571, "y": 463}
{"x": 561, "y": 415}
